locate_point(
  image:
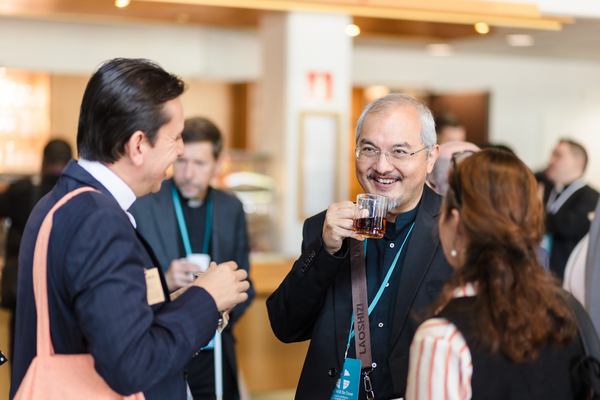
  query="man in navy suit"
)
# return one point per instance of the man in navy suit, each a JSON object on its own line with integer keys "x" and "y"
{"x": 211, "y": 222}
{"x": 106, "y": 291}
{"x": 395, "y": 150}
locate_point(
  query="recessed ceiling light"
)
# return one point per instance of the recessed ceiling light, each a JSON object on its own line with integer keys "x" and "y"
{"x": 482, "y": 27}
{"x": 439, "y": 50}
{"x": 352, "y": 30}
{"x": 122, "y": 3}
{"x": 519, "y": 40}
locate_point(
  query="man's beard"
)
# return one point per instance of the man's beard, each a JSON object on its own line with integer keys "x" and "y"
{"x": 394, "y": 203}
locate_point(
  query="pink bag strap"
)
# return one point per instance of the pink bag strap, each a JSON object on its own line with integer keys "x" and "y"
{"x": 40, "y": 278}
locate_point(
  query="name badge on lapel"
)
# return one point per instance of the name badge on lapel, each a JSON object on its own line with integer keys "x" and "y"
{"x": 346, "y": 388}
{"x": 154, "y": 289}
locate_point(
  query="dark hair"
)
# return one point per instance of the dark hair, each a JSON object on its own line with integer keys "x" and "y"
{"x": 446, "y": 119}
{"x": 202, "y": 130}
{"x": 577, "y": 150}
{"x": 122, "y": 97}
{"x": 502, "y": 147}
{"x": 57, "y": 153}
{"x": 517, "y": 307}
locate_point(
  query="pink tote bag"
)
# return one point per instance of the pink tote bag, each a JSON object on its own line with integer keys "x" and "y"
{"x": 59, "y": 376}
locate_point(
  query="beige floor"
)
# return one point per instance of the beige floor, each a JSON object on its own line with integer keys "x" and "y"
{"x": 4, "y": 369}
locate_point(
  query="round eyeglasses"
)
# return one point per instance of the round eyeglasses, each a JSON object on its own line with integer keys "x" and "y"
{"x": 371, "y": 154}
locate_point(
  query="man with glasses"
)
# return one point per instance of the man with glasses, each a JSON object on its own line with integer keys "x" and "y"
{"x": 395, "y": 150}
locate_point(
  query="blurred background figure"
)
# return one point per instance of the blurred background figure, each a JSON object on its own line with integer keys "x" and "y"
{"x": 16, "y": 203}
{"x": 438, "y": 178}
{"x": 498, "y": 146}
{"x": 520, "y": 336}
{"x": 569, "y": 205}
{"x": 188, "y": 216}
{"x": 449, "y": 129}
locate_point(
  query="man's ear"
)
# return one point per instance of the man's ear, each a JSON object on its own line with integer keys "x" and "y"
{"x": 433, "y": 155}
{"x": 222, "y": 158}
{"x": 135, "y": 148}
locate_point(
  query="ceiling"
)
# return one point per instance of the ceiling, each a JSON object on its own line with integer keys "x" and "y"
{"x": 578, "y": 40}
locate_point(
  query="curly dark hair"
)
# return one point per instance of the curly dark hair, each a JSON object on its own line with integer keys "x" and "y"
{"x": 517, "y": 307}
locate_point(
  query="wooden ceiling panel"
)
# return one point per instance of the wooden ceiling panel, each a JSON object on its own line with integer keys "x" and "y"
{"x": 413, "y": 29}
{"x": 154, "y": 11}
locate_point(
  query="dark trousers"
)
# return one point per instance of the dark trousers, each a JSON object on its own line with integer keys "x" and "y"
{"x": 201, "y": 378}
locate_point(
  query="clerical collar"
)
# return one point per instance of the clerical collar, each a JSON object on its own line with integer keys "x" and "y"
{"x": 194, "y": 203}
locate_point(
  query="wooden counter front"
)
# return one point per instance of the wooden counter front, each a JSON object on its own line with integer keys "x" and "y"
{"x": 266, "y": 363}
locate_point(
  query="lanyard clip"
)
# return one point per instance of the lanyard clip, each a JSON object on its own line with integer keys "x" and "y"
{"x": 368, "y": 385}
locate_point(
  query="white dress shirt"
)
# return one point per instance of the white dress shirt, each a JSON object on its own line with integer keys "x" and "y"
{"x": 440, "y": 364}
{"x": 113, "y": 183}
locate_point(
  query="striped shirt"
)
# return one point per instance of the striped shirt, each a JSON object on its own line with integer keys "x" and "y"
{"x": 440, "y": 365}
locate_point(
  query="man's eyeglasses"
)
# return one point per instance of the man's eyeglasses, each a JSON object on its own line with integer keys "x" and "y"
{"x": 371, "y": 154}
{"x": 456, "y": 157}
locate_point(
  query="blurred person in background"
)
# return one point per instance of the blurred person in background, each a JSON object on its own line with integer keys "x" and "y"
{"x": 502, "y": 330}
{"x": 569, "y": 205}
{"x": 213, "y": 222}
{"x": 437, "y": 179}
{"x": 16, "y": 204}
{"x": 449, "y": 128}
{"x": 405, "y": 269}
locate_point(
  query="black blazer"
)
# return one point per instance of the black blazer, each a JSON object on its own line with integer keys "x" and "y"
{"x": 314, "y": 301}
{"x": 97, "y": 297}
{"x": 569, "y": 225}
{"x": 157, "y": 223}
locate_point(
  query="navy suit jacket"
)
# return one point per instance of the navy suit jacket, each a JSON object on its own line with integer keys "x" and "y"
{"x": 314, "y": 301}
{"x": 97, "y": 297}
{"x": 157, "y": 223}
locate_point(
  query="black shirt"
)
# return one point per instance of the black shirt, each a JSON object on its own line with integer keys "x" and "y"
{"x": 380, "y": 256}
{"x": 195, "y": 219}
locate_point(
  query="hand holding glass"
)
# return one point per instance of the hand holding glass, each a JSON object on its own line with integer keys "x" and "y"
{"x": 370, "y": 215}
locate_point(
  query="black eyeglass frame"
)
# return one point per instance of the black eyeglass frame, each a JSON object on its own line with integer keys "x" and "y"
{"x": 461, "y": 155}
{"x": 387, "y": 153}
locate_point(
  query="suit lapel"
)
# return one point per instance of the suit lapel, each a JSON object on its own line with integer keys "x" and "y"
{"x": 167, "y": 231}
{"x": 215, "y": 244}
{"x": 425, "y": 241}
{"x": 160, "y": 272}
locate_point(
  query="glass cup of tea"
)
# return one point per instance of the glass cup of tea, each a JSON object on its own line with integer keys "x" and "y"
{"x": 370, "y": 215}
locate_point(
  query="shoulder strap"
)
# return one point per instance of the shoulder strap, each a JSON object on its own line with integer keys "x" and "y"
{"x": 360, "y": 307}
{"x": 40, "y": 278}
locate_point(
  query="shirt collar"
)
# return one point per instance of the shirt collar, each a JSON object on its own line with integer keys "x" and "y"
{"x": 113, "y": 183}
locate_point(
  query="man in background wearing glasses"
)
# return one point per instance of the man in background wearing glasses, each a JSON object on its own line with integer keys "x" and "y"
{"x": 395, "y": 150}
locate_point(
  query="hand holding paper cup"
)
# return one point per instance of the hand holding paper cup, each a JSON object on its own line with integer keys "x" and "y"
{"x": 199, "y": 259}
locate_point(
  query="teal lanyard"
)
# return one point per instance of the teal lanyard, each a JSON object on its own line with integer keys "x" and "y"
{"x": 183, "y": 227}
{"x": 381, "y": 288}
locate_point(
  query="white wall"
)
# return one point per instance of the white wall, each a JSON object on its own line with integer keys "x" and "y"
{"x": 533, "y": 102}
{"x": 79, "y": 48}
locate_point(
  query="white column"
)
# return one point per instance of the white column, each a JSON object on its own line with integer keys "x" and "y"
{"x": 296, "y": 47}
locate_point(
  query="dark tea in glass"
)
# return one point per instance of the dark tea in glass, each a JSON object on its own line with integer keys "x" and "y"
{"x": 370, "y": 215}
{"x": 373, "y": 228}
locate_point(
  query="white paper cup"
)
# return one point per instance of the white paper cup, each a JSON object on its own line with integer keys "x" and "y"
{"x": 201, "y": 260}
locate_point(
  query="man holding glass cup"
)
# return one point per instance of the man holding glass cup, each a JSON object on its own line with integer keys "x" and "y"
{"x": 405, "y": 270}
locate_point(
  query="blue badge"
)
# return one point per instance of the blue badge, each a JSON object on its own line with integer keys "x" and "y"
{"x": 546, "y": 244}
{"x": 211, "y": 344}
{"x": 347, "y": 386}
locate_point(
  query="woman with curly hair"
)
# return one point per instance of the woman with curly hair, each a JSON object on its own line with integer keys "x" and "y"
{"x": 501, "y": 329}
